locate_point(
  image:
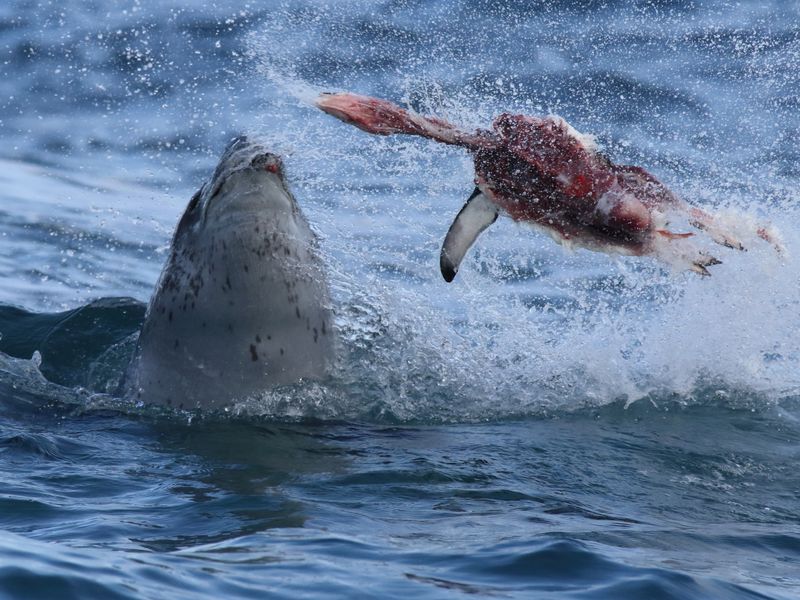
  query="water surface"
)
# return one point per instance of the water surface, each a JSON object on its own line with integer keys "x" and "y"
{"x": 552, "y": 424}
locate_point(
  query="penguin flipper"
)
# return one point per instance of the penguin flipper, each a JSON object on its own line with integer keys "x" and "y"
{"x": 477, "y": 214}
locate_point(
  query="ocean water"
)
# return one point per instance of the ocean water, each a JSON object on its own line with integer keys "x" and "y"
{"x": 553, "y": 424}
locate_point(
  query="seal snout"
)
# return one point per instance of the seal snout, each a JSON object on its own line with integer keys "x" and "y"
{"x": 271, "y": 163}
{"x": 244, "y": 152}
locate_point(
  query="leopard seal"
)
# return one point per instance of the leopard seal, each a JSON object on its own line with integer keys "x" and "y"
{"x": 242, "y": 303}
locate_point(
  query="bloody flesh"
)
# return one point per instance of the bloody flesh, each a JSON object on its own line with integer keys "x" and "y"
{"x": 541, "y": 171}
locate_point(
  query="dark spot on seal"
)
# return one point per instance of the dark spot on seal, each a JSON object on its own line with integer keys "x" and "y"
{"x": 230, "y": 327}
{"x": 170, "y": 316}
{"x": 324, "y": 329}
{"x": 253, "y": 353}
{"x": 246, "y": 269}
{"x": 258, "y": 339}
{"x": 281, "y": 351}
{"x": 316, "y": 335}
{"x": 297, "y": 311}
{"x": 177, "y": 343}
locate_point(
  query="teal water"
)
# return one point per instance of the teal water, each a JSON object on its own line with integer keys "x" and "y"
{"x": 551, "y": 425}
{"x": 686, "y": 503}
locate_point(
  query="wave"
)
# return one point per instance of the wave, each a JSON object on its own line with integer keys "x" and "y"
{"x": 504, "y": 354}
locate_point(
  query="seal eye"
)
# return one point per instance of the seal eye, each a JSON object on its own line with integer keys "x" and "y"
{"x": 193, "y": 202}
{"x": 188, "y": 214}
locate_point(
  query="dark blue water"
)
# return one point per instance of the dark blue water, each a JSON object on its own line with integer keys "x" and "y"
{"x": 552, "y": 424}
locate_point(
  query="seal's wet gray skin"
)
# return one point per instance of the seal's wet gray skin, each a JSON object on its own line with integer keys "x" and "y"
{"x": 242, "y": 303}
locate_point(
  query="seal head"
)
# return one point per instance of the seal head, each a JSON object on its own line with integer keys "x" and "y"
{"x": 242, "y": 303}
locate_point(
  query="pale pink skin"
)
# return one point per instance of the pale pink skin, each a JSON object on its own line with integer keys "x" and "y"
{"x": 541, "y": 171}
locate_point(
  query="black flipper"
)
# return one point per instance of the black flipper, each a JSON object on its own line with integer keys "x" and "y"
{"x": 477, "y": 214}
